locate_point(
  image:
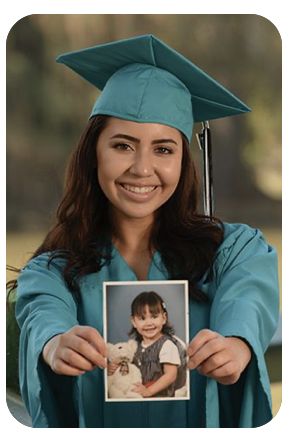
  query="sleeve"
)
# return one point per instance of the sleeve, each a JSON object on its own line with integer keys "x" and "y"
{"x": 44, "y": 308}
{"x": 169, "y": 353}
{"x": 246, "y": 305}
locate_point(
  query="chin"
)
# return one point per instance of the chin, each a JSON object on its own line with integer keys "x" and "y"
{"x": 136, "y": 213}
{"x": 139, "y": 216}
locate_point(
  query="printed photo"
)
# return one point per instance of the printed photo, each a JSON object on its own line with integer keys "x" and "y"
{"x": 147, "y": 334}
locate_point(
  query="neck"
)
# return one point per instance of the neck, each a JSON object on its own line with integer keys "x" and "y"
{"x": 132, "y": 233}
{"x": 132, "y": 238}
{"x": 146, "y": 342}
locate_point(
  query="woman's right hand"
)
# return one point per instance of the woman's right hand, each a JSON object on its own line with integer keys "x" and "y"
{"x": 76, "y": 351}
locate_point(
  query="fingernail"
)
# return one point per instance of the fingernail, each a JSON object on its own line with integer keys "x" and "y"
{"x": 189, "y": 365}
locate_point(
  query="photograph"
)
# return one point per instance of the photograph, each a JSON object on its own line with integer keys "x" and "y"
{"x": 146, "y": 332}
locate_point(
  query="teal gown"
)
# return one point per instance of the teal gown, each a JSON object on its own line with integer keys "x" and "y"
{"x": 243, "y": 302}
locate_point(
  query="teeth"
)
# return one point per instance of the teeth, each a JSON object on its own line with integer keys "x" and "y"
{"x": 136, "y": 189}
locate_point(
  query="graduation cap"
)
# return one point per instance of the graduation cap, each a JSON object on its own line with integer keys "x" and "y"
{"x": 142, "y": 79}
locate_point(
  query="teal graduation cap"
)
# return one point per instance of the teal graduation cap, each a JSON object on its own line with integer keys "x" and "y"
{"x": 144, "y": 80}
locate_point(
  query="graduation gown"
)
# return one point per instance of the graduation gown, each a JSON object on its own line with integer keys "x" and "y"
{"x": 243, "y": 302}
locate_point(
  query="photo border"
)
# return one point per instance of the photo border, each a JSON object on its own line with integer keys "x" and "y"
{"x": 105, "y": 317}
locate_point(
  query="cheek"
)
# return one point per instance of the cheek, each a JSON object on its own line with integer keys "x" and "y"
{"x": 171, "y": 173}
{"x": 104, "y": 175}
{"x": 136, "y": 324}
{"x": 108, "y": 169}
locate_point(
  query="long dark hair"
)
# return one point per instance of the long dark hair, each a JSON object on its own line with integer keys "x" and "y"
{"x": 156, "y": 305}
{"x": 82, "y": 233}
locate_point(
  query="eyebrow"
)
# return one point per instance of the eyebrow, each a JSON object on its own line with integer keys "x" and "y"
{"x": 137, "y": 140}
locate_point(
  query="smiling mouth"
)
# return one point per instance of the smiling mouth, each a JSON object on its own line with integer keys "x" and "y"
{"x": 138, "y": 189}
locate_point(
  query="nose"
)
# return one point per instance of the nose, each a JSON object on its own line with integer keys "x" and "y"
{"x": 142, "y": 165}
{"x": 149, "y": 321}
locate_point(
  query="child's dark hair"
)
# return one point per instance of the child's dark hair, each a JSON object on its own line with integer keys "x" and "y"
{"x": 156, "y": 305}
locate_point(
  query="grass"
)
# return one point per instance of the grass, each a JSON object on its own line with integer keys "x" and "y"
{"x": 19, "y": 248}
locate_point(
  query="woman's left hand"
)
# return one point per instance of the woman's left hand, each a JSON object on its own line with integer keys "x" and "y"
{"x": 221, "y": 358}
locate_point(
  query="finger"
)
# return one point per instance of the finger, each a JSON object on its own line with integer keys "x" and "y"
{"x": 214, "y": 362}
{"x": 200, "y": 339}
{"x": 86, "y": 350}
{"x": 229, "y": 380}
{"x": 228, "y": 374}
{"x": 114, "y": 366}
{"x": 76, "y": 360}
{"x": 93, "y": 337}
{"x": 213, "y": 346}
{"x": 137, "y": 388}
{"x": 63, "y": 368}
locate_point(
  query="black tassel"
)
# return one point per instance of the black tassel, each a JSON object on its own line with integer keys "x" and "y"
{"x": 205, "y": 144}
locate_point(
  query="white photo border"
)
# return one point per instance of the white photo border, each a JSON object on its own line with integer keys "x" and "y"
{"x": 186, "y": 316}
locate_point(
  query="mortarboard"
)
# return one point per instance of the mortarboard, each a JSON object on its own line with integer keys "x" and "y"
{"x": 144, "y": 80}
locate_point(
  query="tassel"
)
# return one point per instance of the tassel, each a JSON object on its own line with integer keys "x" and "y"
{"x": 204, "y": 142}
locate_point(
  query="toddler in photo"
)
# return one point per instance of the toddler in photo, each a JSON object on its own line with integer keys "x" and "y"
{"x": 160, "y": 356}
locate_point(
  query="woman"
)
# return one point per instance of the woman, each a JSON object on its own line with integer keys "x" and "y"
{"x": 130, "y": 212}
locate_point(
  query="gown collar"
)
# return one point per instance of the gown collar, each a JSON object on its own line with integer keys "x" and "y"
{"x": 156, "y": 271}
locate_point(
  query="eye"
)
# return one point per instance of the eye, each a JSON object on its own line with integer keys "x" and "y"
{"x": 122, "y": 146}
{"x": 164, "y": 150}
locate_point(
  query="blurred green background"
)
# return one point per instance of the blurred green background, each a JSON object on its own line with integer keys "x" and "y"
{"x": 48, "y": 106}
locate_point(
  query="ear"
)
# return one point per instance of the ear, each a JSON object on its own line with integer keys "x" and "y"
{"x": 133, "y": 322}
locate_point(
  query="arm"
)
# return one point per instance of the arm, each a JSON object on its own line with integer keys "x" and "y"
{"x": 246, "y": 302}
{"x": 169, "y": 376}
{"x": 45, "y": 309}
{"x": 244, "y": 306}
{"x": 244, "y": 310}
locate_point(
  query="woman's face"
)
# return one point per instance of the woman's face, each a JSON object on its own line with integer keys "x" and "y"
{"x": 139, "y": 166}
